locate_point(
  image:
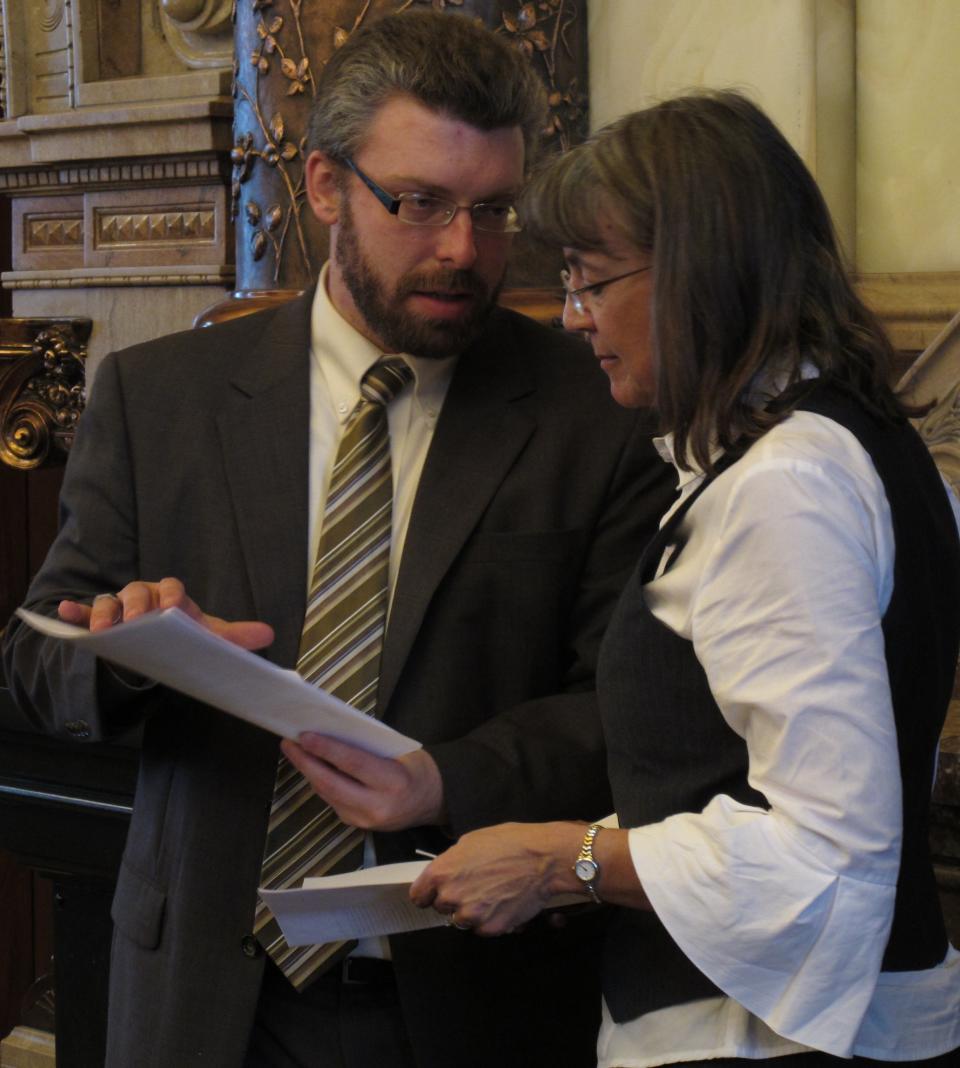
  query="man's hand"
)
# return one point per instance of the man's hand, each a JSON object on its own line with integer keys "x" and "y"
{"x": 136, "y": 598}
{"x": 370, "y": 792}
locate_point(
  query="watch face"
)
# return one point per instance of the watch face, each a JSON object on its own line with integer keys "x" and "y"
{"x": 586, "y": 870}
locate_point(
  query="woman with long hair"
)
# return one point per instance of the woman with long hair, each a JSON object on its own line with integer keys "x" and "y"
{"x": 775, "y": 679}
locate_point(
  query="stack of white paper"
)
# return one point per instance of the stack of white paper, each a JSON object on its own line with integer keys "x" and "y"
{"x": 361, "y": 904}
{"x": 174, "y": 649}
{"x": 356, "y": 904}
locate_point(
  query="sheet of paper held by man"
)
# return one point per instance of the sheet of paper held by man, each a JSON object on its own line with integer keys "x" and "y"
{"x": 177, "y": 651}
{"x": 360, "y": 904}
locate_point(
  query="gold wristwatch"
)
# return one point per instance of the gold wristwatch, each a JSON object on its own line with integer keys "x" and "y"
{"x": 586, "y": 869}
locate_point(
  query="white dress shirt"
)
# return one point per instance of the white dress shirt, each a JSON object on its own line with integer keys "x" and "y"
{"x": 339, "y": 358}
{"x": 781, "y": 587}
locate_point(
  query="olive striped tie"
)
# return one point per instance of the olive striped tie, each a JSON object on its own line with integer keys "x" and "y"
{"x": 339, "y": 651}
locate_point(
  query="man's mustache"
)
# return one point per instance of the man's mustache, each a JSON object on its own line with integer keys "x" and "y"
{"x": 443, "y": 281}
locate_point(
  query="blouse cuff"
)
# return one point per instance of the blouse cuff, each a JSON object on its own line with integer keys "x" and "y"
{"x": 793, "y": 941}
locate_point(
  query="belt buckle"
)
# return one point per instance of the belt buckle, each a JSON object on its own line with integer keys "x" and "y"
{"x": 362, "y": 971}
{"x": 348, "y": 967}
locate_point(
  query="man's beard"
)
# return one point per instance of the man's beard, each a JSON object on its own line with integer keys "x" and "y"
{"x": 385, "y": 314}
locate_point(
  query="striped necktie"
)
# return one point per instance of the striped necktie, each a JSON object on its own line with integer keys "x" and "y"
{"x": 340, "y": 652}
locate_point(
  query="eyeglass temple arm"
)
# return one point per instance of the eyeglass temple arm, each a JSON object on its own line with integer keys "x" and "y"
{"x": 390, "y": 203}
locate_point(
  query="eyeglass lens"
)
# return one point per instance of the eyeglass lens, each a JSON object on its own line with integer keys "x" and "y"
{"x": 421, "y": 210}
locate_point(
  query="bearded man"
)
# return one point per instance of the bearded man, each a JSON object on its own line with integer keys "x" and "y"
{"x": 497, "y": 515}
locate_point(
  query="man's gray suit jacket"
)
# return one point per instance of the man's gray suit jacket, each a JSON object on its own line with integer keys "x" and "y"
{"x": 537, "y": 496}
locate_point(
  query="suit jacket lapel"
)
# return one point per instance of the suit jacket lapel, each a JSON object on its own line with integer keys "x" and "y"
{"x": 481, "y": 430}
{"x": 264, "y": 432}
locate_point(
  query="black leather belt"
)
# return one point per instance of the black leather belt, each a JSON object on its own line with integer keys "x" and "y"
{"x": 366, "y": 971}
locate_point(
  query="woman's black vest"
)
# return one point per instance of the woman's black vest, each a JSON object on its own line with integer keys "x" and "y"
{"x": 670, "y": 750}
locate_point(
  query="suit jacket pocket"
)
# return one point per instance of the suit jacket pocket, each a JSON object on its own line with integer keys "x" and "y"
{"x": 138, "y": 908}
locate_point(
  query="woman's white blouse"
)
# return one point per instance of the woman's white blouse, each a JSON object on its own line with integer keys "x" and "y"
{"x": 781, "y": 587}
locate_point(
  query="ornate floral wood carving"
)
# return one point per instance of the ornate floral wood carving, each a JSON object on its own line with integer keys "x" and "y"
{"x": 935, "y": 379}
{"x": 279, "y": 46}
{"x": 41, "y": 388}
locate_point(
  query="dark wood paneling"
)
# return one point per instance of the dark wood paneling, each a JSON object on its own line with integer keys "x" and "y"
{"x": 43, "y": 489}
{"x": 16, "y": 937}
{"x": 14, "y": 553}
{"x": 6, "y": 246}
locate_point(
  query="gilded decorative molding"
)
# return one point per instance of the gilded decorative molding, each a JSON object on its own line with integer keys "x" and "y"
{"x": 4, "y": 106}
{"x": 221, "y": 276}
{"x": 48, "y": 232}
{"x": 176, "y": 226}
{"x": 41, "y": 388}
{"x": 914, "y": 307}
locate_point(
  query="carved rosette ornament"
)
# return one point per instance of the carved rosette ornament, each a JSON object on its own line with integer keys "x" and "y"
{"x": 41, "y": 388}
{"x": 280, "y": 47}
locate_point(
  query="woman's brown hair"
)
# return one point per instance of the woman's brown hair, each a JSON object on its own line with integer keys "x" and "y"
{"x": 748, "y": 275}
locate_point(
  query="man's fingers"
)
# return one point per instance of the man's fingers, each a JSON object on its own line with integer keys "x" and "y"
{"x": 74, "y": 612}
{"x": 349, "y": 759}
{"x": 138, "y": 598}
{"x": 334, "y": 783}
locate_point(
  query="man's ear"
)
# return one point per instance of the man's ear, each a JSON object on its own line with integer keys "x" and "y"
{"x": 322, "y": 191}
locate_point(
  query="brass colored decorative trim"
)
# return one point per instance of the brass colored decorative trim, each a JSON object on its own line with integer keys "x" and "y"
{"x": 43, "y": 232}
{"x": 543, "y": 303}
{"x": 171, "y": 227}
{"x": 243, "y": 303}
{"x": 41, "y": 388}
{"x": 111, "y": 174}
{"x": 4, "y": 76}
{"x": 87, "y": 278}
{"x": 914, "y": 307}
{"x": 28, "y": 1045}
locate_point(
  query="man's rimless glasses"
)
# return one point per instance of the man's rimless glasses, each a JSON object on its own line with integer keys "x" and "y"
{"x": 425, "y": 209}
{"x": 575, "y": 296}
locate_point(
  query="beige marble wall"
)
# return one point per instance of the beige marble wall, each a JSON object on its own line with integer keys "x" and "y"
{"x": 122, "y": 314}
{"x": 115, "y": 142}
{"x": 865, "y": 91}
{"x": 793, "y": 57}
{"x": 908, "y": 136}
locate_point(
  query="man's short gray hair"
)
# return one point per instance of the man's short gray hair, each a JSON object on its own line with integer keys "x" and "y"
{"x": 448, "y": 62}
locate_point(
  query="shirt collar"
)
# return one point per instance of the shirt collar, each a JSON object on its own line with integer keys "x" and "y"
{"x": 343, "y": 356}
{"x": 768, "y": 383}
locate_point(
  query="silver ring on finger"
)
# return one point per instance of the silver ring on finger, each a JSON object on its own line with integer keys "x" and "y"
{"x": 118, "y": 612}
{"x": 462, "y": 926}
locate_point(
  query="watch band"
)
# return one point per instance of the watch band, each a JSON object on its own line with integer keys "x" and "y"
{"x": 585, "y": 867}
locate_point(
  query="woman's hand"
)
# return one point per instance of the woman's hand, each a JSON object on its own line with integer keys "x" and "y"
{"x": 495, "y": 879}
